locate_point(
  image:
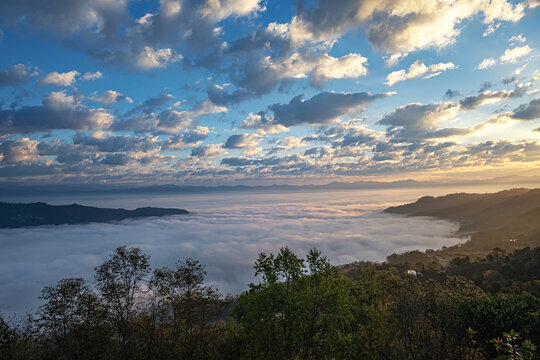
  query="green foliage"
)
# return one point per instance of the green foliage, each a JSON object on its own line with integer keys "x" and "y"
{"x": 307, "y": 317}
{"x": 303, "y": 308}
{"x": 509, "y": 346}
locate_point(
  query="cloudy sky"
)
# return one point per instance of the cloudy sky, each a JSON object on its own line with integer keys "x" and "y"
{"x": 228, "y": 91}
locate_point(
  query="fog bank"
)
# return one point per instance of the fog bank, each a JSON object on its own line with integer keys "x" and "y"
{"x": 224, "y": 232}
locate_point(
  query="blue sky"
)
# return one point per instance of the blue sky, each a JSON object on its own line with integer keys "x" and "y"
{"x": 248, "y": 91}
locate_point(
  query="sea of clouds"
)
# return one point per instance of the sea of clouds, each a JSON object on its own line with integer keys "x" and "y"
{"x": 225, "y": 231}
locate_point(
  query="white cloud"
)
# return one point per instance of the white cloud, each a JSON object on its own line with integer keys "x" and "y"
{"x": 350, "y": 66}
{"x": 486, "y": 63}
{"x": 242, "y": 141}
{"x": 511, "y": 55}
{"x": 111, "y": 96}
{"x": 262, "y": 124}
{"x": 88, "y": 76}
{"x": 208, "y": 151}
{"x": 150, "y": 58}
{"x": 399, "y": 25}
{"x": 491, "y": 29}
{"x": 60, "y": 79}
{"x": 221, "y": 9}
{"x": 393, "y": 59}
{"x": 416, "y": 70}
{"x": 517, "y": 38}
{"x": 320, "y": 69}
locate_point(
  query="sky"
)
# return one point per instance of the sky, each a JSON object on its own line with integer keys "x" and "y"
{"x": 261, "y": 92}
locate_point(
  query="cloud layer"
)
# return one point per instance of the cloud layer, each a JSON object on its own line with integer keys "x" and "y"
{"x": 225, "y": 232}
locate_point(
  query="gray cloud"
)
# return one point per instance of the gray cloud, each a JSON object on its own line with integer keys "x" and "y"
{"x": 109, "y": 34}
{"x": 207, "y": 151}
{"x": 450, "y": 94}
{"x": 189, "y": 136}
{"x": 485, "y": 97}
{"x": 152, "y": 104}
{"x": 241, "y": 141}
{"x": 57, "y": 112}
{"x": 413, "y": 121}
{"x": 17, "y": 74}
{"x": 117, "y": 143}
{"x": 322, "y": 108}
{"x": 530, "y": 111}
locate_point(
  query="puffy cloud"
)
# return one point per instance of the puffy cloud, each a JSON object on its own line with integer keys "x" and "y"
{"x": 17, "y": 74}
{"x": 262, "y": 124}
{"x": 490, "y": 97}
{"x": 169, "y": 121}
{"x": 416, "y": 70}
{"x": 206, "y": 107}
{"x": 221, "y": 9}
{"x": 511, "y": 55}
{"x": 256, "y": 77}
{"x": 414, "y": 121}
{"x": 286, "y": 144}
{"x": 450, "y": 94}
{"x": 88, "y": 76}
{"x": 66, "y": 17}
{"x": 486, "y": 63}
{"x": 150, "y": 58}
{"x": 320, "y": 69}
{"x": 397, "y": 25}
{"x": 530, "y": 111}
{"x": 20, "y": 151}
{"x": 208, "y": 151}
{"x": 117, "y": 143}
{"x": 152, "y": 104}
{"x": 323, "y": 108}
{"x": 111, "y": 96}
{"x": 517, "y": 38}
{"x": 58, "y": 111}
{"x": 350, "y": 66}
{"x": 107, "y": 31}
{"x": 59, "y": 79}
{"x": 242, "y": 141}
{"x": 393, "y": 59}
{"x": 189, "y": 136}
{"x": 491, "y": 29}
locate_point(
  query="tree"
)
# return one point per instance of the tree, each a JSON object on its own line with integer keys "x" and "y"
{"x": 71, "y": 319}
{"x": 291, "y": 314}
{"x": 120, "y": 281}
{"x": 8, "y": 338}
{"x": 191, "y": 308}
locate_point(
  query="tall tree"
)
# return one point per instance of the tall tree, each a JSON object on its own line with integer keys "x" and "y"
{"x": 120, "y": 281}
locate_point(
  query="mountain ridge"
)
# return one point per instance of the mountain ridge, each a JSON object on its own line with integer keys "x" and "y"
{"x": 16, "y": 215}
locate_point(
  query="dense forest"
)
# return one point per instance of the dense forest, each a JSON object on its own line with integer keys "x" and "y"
{"x": 302, "y": 308}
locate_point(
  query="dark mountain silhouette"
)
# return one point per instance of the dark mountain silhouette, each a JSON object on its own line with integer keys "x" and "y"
{"x": 20, "y": 215}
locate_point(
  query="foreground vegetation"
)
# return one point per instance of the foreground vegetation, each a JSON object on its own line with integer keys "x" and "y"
{"x": 301, "y": 309}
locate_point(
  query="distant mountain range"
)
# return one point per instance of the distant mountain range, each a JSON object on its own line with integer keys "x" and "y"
{"x": 508, "y": 219}
{"x": 8, "y": 190}
{"x": 39, "y": 213}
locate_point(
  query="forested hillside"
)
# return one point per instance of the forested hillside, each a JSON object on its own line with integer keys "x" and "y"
{"x": 14, "y": 215}
{"x": 507, "y": 220}
{"x": 302, "y": 308}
